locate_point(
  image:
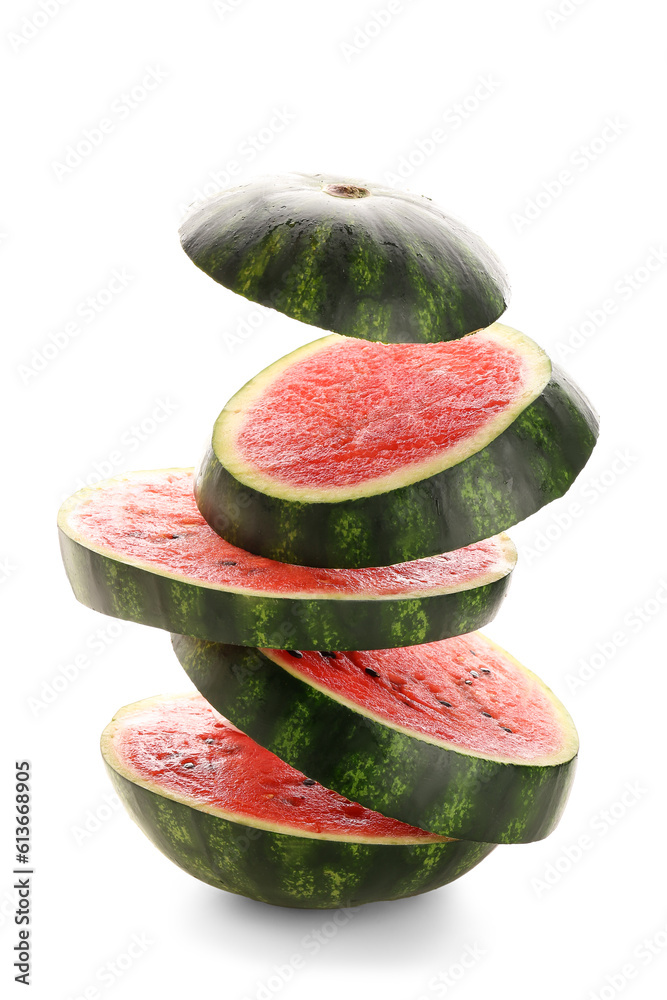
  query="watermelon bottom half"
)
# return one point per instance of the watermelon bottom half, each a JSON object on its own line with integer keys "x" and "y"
{"x": 237, "y": 817}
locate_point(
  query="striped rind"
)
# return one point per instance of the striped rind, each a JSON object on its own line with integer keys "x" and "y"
{"x": 389, "y": 267}
{"x": 286, "y": 869}
{"x": 386, "y": 769}
{"x": 534, "y": 461}
{"x": 141, "y": 593}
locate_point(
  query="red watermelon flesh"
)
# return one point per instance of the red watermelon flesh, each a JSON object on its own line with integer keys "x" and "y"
{"x": 152, "y": 518}
{"x": 465, "y": 692}
{"x": 343, "y": 414}
{"x": 184, "y": 747}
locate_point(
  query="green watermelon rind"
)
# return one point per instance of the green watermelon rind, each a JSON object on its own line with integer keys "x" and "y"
{"x": 389, "y": 267}
{"x": 397, "y": 773}
{"x": 285, "y": 869}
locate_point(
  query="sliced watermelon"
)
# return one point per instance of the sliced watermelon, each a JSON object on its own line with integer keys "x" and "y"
{"x": 357, "y": 258}
{"x": 453, "y": 736}
{"x": 234, "y": 815}
{"x": 349, "y": 453}
{"x": 136, "y": 547}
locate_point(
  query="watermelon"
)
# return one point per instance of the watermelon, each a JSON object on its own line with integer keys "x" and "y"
{"x": 356, "y": 258}
{"x": 454, "y": 736}
{"x": 136, "y": 547}
{"x": 237, "y": 817}
{"x": 347, "y": 453}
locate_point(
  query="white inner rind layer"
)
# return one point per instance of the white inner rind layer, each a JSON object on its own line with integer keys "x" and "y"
{"x": 126, "y": 719}
{"x": 230, "y": 423}
{"x": 570, "y": 739}
{"x": 75, "y": 505}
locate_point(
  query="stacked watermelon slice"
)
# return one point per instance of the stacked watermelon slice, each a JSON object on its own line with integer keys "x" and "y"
{"x": 325, "y": 570}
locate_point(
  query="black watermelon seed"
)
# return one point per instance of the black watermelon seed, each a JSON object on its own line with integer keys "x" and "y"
{"x": 188, "y": 764}
{"x": 485, "y": 670}
{"x": 467, "y": 682}
{"x": 329, "y": 656}
{"x": 226, "y": 562}
{"x": 473, "y": 673}
{"x": 210, "y": 740}
{"x": 295, "y": 653}
{"x": 371, "y": 672}
{"x": 487, "y": 714}
{"x": 447, "y": 704}
{"x": 507, "y": 729}
{"x": 309, "y": 781}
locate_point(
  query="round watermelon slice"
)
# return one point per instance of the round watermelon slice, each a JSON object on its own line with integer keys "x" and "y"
{"x": 348, "y": 453}
{"x": 455, "y": 736}
{"x": 136, "y": 547}
{"x": 237, "y": 817}
{"x": 358, "y": 258}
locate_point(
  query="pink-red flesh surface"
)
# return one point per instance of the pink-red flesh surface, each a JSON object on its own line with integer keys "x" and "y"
{"x": 152, "y": 518}
{"x": 186, "y": 748}
{"x": 357, "y": 410}
{"x": 464, "y": 691}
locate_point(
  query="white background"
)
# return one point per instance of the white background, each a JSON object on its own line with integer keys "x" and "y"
{"x": 542, "y": 920}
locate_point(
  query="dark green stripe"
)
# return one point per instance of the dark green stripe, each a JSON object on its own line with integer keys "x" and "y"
{"x": 534, "y": 461}
{"x": 289, "y": 870}
{"x": 389, "y": 771}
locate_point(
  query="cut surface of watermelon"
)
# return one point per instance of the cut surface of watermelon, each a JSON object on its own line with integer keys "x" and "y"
{"x": 343, "y": 418}
{"x": 464, "y": 693}
{"x": 184, "y": 749}
{"x": 137, "y": 547}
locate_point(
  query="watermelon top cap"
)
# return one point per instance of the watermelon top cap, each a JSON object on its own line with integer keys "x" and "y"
{"x": 348, "y": 255}
{"x": 455, "y": 398}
